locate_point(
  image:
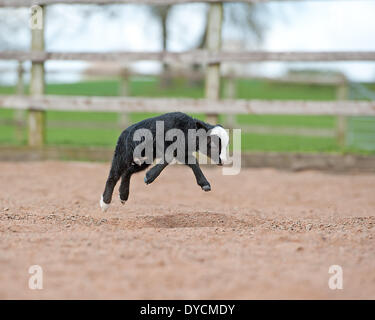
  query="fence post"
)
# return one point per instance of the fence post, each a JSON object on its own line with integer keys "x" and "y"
{"x": 19, "y": 115}
{"x": 20, "y": 84}
{"x": 36, "y": 118}
{"x": 230, "y": 93}
{"x": 215, "y": 17}
{"x": 342, "y": 121}
{"x": 124, "y": 91}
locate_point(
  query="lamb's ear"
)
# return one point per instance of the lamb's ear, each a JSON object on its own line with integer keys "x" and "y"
{"x": 202, "y": 125}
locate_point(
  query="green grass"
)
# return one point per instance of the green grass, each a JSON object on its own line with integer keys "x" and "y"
{"x": 325, "y": 122}
{"x": 150, "y": 87}
{"x": 8, "y": 136}
{"x": 82, "y": 137}
{"x": 7, "y": 114}
{"x": 82, "y": 116}
{"x": 256, "y": 89}
{"x": 284, "y": 143}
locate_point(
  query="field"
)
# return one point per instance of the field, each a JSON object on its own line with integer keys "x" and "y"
{"x": 261, "y": 234}
{"x": 107, "y": 131}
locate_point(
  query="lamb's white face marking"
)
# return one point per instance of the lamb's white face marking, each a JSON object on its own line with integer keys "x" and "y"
{"x": 223, "y": 135}
{"x": 103, "y": 205}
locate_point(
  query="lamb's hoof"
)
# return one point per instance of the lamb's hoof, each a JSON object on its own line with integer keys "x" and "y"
{"x": 206, "y": 188}
{"x": 104, "y": 205}
{"x": 122, "y": 201}
{"x": 146, "y": 180}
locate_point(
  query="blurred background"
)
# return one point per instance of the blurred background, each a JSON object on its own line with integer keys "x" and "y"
{"x": 273, "y": 26}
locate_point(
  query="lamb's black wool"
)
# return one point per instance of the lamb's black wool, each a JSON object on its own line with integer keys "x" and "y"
{"x": 124, "y": 164}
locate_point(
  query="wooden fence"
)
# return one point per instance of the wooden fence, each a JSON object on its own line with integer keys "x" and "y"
{"x": 125, "y": 76}
{"x": 224, "y": 106}
{"x": 192, "y": 57}
{"x": 26, "y": 3}
{"x": 212, "y": 57}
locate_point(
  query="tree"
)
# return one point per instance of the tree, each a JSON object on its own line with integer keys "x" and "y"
{"x": 246, "y": 19}
{"x": 161, "y": 13}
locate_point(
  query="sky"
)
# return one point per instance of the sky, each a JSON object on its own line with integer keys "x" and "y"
{"x": 315, "y": 25}
{"x": 325, "y": 25}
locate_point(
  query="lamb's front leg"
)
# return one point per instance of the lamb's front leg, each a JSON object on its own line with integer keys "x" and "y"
{"x": 124, "y": 187}
{"x": 154, "y": 172}
{"x": 201, "y": 179}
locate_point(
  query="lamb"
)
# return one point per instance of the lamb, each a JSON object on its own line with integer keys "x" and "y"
{"x": 127, "y": 160}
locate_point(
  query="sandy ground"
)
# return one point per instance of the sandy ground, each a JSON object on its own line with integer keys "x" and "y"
{"x": 261, "y": 234}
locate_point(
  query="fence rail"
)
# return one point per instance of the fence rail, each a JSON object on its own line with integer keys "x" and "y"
{"x": 127, "y": 104}
{"x": 257, "y": 129}
{"x": 119, "y": 71}
{"x": 193, "y": 57}
{"x": 26, "y": 3}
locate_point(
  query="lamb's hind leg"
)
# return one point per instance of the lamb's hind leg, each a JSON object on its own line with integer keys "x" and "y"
{"x": 114, "y": 175}
{"x": 124, "y": 187}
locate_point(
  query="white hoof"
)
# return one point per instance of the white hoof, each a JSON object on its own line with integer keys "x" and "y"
{"x": 103, "y": 205}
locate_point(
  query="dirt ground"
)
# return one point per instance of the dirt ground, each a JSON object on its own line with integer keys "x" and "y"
{"x": 261, "y": 234}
